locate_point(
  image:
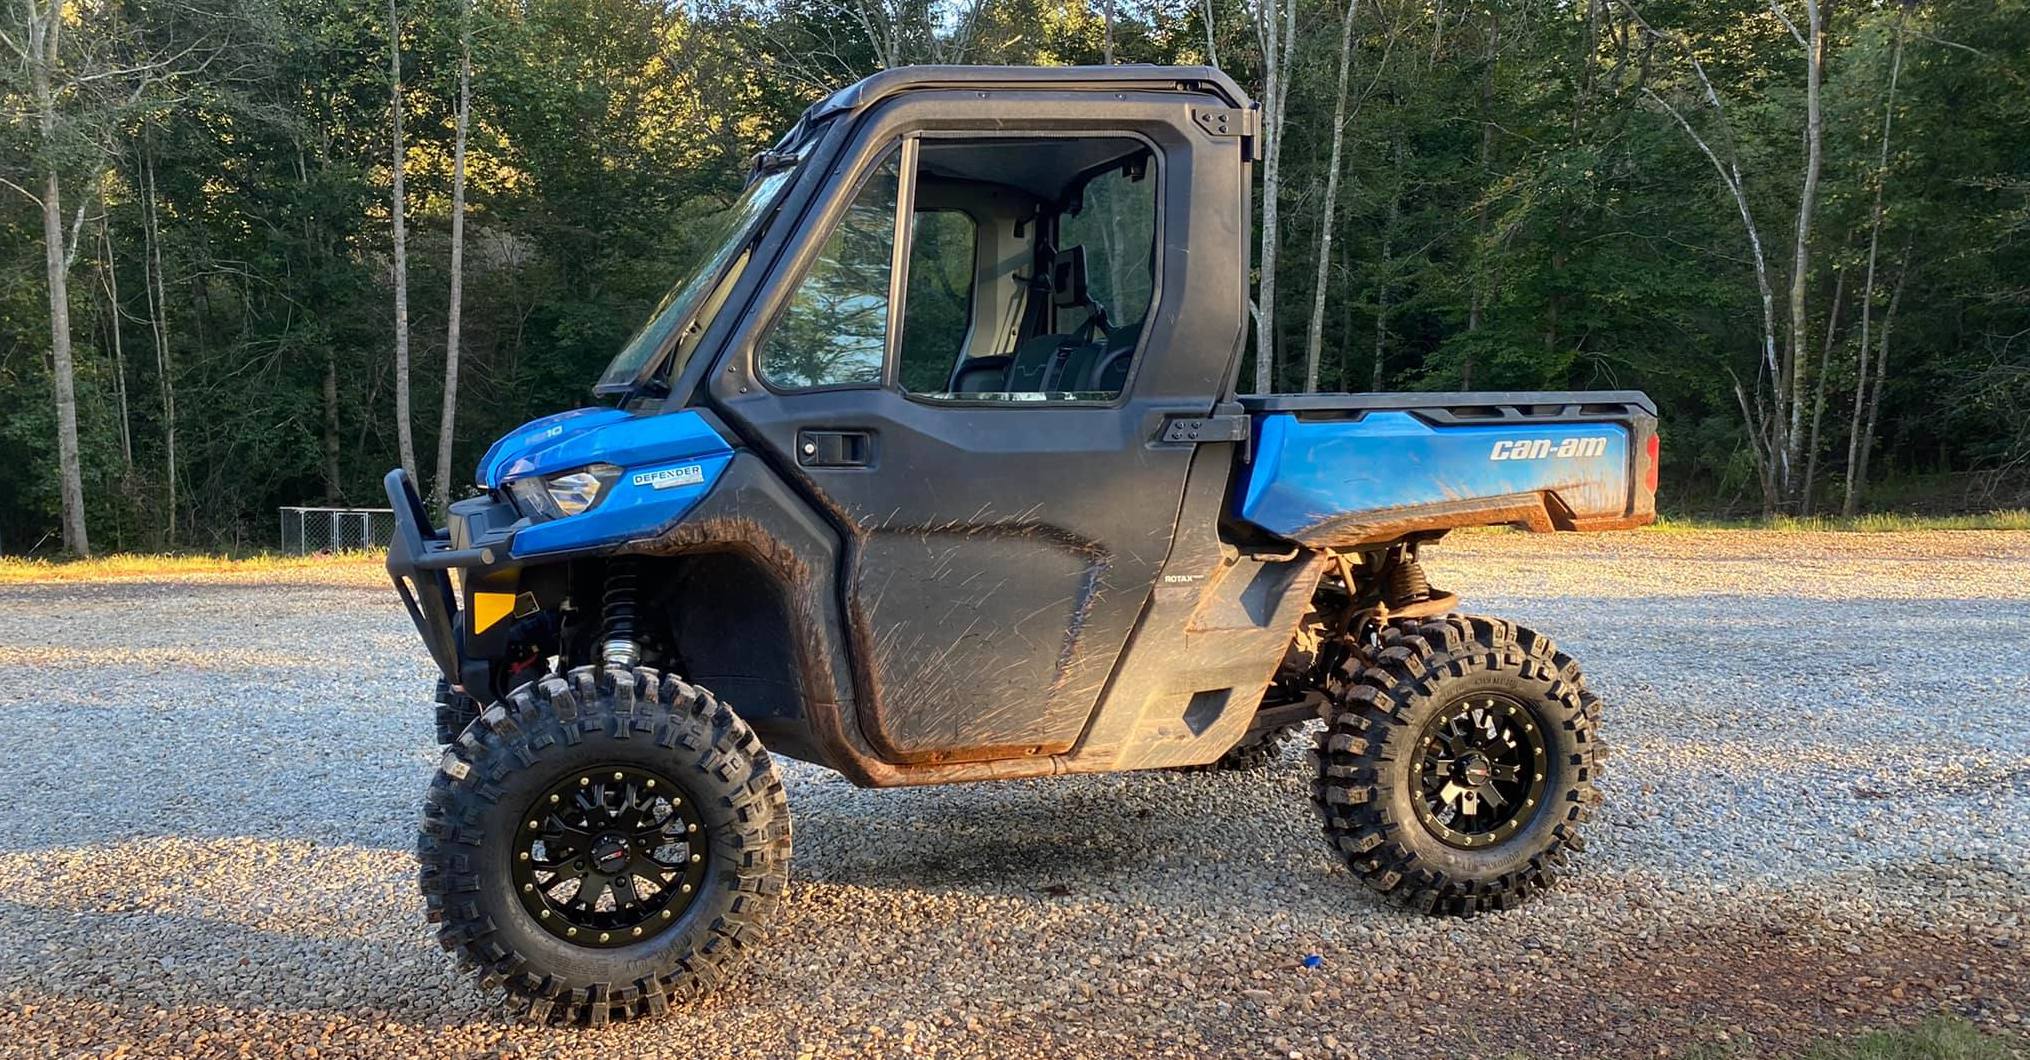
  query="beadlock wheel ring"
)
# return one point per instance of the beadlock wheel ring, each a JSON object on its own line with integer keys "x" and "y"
{"x": 609, "y": 856}
{"x": 1478, "y": 770}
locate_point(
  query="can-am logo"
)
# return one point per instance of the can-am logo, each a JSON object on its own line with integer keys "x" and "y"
{"x": 1547, "y": 449}
{"x": 671, "y": 477}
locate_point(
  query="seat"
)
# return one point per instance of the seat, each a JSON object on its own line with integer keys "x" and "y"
{"x": 1038, "y": 362}
{"x": 981, "y": 375}
{"x": 1107, "y": 371}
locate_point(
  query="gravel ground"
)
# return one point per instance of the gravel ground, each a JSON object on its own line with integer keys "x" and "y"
{"x": 1816, "y": 820}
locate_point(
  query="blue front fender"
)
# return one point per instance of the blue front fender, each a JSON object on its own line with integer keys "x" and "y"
{"x": 668, "y": 461}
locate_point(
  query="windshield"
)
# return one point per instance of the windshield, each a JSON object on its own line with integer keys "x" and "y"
{"x": 728, "y": 234}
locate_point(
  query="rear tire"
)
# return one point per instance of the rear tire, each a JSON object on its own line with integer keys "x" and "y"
{"x": 1457, "y": 763}
{"x": 603, "y": 844}
{"x": 1257, "y": 750}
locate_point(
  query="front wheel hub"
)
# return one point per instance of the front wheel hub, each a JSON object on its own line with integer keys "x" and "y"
{"x": 1479, "y": 769}
{"x": 610, "y": 856}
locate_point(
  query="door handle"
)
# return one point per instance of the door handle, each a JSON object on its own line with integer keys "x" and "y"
{"x": 834, "y": 448}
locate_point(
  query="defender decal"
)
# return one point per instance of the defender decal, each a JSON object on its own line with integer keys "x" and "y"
{"x": 671, "y": 477}
{"x": 1547, "y": 449}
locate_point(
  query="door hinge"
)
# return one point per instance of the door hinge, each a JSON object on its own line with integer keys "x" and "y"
{"x": 1242, "y": 122}
{"x": 1194, "y": 430}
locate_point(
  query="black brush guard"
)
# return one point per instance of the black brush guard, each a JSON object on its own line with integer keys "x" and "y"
{"x": 420, "y": 559}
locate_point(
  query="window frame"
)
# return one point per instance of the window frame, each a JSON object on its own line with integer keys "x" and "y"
{"x": 905, "y": 191}
{"x": 972, "y": 285}
{"x": 1158, "y": 172}
{"x": 905, "y": 149}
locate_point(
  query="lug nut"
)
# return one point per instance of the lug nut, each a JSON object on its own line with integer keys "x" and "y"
{"x": 637, "y": 932}
{"x": 571, "y": 932}
{"x": 603, "y": 936}
{"x": 649, "y": 783}
{"x": 545, "y": 914}
{"x": 617, "y": 775}
{"x": 583, "y": 781}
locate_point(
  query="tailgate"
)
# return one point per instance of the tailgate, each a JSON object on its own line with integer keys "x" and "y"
{"x": 1337, "y": 470}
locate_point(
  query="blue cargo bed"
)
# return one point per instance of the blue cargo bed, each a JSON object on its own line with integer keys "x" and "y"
{"x": 1342, "y": 470}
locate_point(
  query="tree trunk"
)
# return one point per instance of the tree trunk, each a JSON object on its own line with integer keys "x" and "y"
{"x": 1314, "y": 339}
{"x": 333, "y": 490}
{"x": 1211, "y": 44}
{"x": 1857, "y": 477}
{"x": 1108, "y": 9}
{"x": 1476, "y": 299}
{"x": 44, "y": 29}
{"x": 1807, "y": 499}
{"x": 404, "y": 434}
{"x": 109, "y": 274}
{"x": 1386, "y": 272}
{"x": 1276, "y": 24}
{"x": 451, "y": 338}
{"x": 1855, "y": 458}
{"x": 158, "y": 312}
{"x": 1790, "y": 384}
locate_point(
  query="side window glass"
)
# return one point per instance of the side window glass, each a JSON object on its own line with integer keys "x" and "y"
{"x": 1032, "y": 268}
{"x": 938, "y": 311}
{"x": 1116, "y": 223}
{"x": 835, "y": 330}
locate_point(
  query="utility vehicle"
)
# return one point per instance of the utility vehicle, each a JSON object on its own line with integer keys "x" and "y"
{"x": 934, "y": 471}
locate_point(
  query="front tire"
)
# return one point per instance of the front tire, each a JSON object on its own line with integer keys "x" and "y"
{"x": 603, "y": 844}
{"x": 455, "y": 710}
{"x": 1458, "y": 761}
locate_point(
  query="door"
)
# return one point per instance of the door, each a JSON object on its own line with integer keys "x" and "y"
{"x": 972, "y": 373}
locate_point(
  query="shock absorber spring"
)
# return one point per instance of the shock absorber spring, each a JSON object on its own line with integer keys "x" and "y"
{"x": 1406, "y": 583}
{"x": 617, "y": 645}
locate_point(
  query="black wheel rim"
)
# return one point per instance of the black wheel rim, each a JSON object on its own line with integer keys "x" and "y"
{"x": 610, "y": 856}
{"x": 1478, "y": 771}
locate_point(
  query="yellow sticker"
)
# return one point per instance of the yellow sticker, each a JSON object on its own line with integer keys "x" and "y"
{"x": 490, "y": 608}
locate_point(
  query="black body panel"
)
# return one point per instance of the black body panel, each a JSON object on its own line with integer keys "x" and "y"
{"x": 998, "y": 554}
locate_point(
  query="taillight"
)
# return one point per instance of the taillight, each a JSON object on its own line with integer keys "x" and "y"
{"x": 1654, "y": 445}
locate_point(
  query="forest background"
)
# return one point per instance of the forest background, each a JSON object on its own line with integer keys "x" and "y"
{"x": 253, "y": 253}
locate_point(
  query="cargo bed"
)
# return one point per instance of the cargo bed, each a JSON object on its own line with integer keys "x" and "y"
{"x": 1343, "y": 470}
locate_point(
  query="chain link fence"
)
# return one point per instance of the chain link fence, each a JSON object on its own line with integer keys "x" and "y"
{"x": 307, "y": 530}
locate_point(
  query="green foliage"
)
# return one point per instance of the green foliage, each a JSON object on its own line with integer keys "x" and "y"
{"x": 1515, "y": 211}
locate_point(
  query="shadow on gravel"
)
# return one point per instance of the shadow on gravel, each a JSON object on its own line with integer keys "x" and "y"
{"x": 194, "y": 960}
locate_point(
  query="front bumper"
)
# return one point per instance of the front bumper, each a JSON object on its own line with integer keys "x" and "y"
{"x": 420, "y": 561}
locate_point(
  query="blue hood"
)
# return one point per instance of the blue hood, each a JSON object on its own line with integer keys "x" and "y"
{"x": 574, "y": 439}
{"x": 669, "y": 460}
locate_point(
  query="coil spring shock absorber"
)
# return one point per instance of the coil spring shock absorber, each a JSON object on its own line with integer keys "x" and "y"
{"x": 617, "y": 646}
{"x": 1406, "y": 583}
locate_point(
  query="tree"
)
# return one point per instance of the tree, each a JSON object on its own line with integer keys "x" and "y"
{"x": 1862, "y": 436}
{"x": 404, "y": 433}
{"x": 1314, "y": 339}
{"x": 1276, "y": 32}
{"x": 448, "y": 422}
{"x": 41, "y": 33}
{"x": 80, "y": 86}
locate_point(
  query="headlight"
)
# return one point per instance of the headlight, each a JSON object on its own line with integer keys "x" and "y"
{"x": 561, "y": 495}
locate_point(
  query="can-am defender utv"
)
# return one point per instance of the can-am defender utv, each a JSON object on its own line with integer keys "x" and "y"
{"x": 934, "y": 471}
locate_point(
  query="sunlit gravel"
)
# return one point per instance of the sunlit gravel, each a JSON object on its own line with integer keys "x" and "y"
{"x": 1817, "y": 817}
